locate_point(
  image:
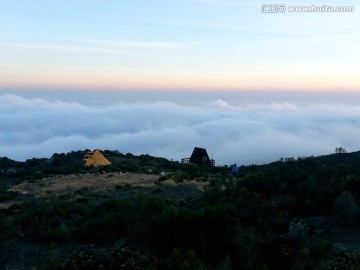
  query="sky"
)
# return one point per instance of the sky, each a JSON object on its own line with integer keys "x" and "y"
{"x": 187, "y": 45}
{"x": 187, "y": 49}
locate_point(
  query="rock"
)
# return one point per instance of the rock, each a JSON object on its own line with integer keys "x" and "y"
{"x": 338, "y": 249}
{"x": 120, "y": 243}
{"x": 9, "y": 172}
{"x": 315, "y": 222}
{"x": 345, "y": 205}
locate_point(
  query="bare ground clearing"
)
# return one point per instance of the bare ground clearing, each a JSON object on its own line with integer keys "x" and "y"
{"x": 62, "y": 184}
{"x": 101, "y": 183}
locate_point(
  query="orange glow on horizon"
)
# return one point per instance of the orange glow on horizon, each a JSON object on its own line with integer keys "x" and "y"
{"x": 162, "y": 80}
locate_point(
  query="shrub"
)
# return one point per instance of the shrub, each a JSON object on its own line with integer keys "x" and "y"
{"x": 90, "y": 258}
{"x": 186, "y": 260}
{"x": 8, "y": 196}
{"x": 350, "y": 261}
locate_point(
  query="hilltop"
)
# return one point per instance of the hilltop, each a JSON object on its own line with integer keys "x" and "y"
{"x": 72, "y": 163}
{"x": 145, "y": 212}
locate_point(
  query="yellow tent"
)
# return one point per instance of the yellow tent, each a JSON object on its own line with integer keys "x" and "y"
{"x": 95, "y": 159}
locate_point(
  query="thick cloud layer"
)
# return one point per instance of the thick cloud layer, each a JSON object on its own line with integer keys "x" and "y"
{"x": 243, "y": 134}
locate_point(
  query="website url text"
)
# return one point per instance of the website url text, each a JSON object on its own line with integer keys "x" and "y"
{"x": 281, "y": 8}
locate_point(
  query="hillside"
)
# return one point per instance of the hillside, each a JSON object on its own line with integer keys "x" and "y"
{"x": 145, "y": 212}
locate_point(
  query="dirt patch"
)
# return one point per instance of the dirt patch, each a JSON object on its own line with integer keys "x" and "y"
{"x": 62, "y": 184}
{"x": 120, "y": 184}
{"x": 65, "y": 184}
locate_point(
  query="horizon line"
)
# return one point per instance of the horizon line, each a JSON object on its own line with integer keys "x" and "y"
{"x": 177, "y": 90}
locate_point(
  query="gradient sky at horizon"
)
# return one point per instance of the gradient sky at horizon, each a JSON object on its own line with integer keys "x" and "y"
{"x": 177, "y": 45}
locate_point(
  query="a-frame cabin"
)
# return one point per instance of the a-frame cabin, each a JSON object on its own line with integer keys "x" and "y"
{"x": 199, "y": 156}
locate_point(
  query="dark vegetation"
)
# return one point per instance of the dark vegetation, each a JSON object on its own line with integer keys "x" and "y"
{"x": 276, "y": 216}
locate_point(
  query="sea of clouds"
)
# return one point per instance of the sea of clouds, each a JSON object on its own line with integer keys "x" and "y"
{"x": 243, "y": 134}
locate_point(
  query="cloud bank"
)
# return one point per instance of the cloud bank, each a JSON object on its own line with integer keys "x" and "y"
{"x": 251, "y": 134}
